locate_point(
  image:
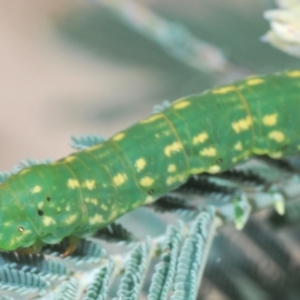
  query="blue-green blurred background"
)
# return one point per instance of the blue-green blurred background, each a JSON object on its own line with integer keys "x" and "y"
{"x": 72, "y": 67}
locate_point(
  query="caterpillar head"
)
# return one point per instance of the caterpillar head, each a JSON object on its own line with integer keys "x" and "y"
{"x": 15, "y": 229}
{"x": 38, "y": 205}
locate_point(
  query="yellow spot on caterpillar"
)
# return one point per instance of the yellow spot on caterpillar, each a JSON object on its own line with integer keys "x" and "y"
{"x": 118, "y": 136}
{"x": 123, "y": 211}
{"x": 260, "y": 151}
{"x": 241, "y": 125}
{"x": 96, "y": 147}
{"x": 214, "y": 169}
{"x": 136, "y": 204}
{"x": 241, "y": 86}
{"x": 40, "y": 204}
{"x": 197, "y": 170}
{"x": 166, "y": 132}
{"x": 91, "y": 200}
{"x": 58, "y": 209}
{"x": 68, "y": 207}
{"x": 149, "y": 199}
{"x": 36, "y": 189}
{"x": 208, "y": 152}
{"x": 277, "y": 136}
{"x": 255, "y": 81}
{"x": 275, "y": 155}
{"x": 200, "y": 138}
{"x": 170, "y": 180}
{"x": 73, "y": 184}
{"x": 242, "y": 156}
{"x": 96, "y": 219}
{"x": 69, "y": 159}
{"x": 19, "y": 238}
{"x": 113, "y": 214}
{"x": 172, "y": 168}
{"x": 174, "y": 179}
{"x": 146, "y": 181}
{"x": 104, "y": 207}
{"x": 295, "y": 73}
{"x": 119, "y": 179}
{"x": 270, "y": 120}
{"x": 140, "y": 164}
{"x": 181, "y": 104}
{"x": 47, "y": 221}
{"x": 175, "y": 147}
{"x": 90, "y": 184}
{"x": 238, "y": 146}
{"x": 224, "y": 90}
{"x": 152, "y": 118}
{"x": 27, "y": 231}
{"x": 94, "y": 201}
{"x": 298, "y": 147}
{"x": 71, "y": 219}
{"x": 24, "y": 171}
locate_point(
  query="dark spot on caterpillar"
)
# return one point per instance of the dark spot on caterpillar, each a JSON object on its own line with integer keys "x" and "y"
{"x": 48, "y": 198}
{"x": 219, "y": 160}
{"x": 21, "y": 229}
{"x": 40, "y": 212}
{"x": 284, "y": 147}
{"x": 150, "y": 192}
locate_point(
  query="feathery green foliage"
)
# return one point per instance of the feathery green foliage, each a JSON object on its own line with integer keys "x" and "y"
{"x": 69, "y": 290}
{"x": 84, "y": 141}
{"x": 135, "y": 268}
{"x": 97, "y": 290}
{"x": 193, "y": 255}
{"x": 115, "y": 232}
{"x": 162, "y": 279}
{"x": 183, "y": 249}
{"x": 21, "y": 283}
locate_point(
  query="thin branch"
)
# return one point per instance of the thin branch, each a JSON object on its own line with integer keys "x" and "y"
{"x": 174, "y": 38}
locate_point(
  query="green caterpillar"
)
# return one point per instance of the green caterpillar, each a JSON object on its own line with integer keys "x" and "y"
{"x": 77, "y": 195}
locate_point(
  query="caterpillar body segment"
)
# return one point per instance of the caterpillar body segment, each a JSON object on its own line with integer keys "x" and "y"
{"x": 211, "y": 132}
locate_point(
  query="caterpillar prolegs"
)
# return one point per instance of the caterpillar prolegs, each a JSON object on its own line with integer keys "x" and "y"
{"x": 211, "y": 132}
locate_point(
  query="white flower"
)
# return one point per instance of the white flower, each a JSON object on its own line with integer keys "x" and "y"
{"x": 292, "y": 5}
{"x": 285, "y": 27}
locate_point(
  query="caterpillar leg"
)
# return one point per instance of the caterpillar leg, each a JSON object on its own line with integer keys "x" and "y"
{"x": 36, "y": 247}
{"x": 72, "y": 246}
